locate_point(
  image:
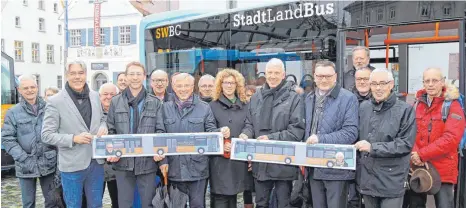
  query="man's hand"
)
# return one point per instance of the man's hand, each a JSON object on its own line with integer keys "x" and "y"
{"x": 416, "y": 159}
{"x": 158, "y": 158}
{"x": 363, "y": 146}
{"x": 263, "y": 137}
{"x": 243, "y": 136}
{"x": 113, "y": 159}
{"x": 83, "y": 138}
{"x": 102, "y": 131}
{"x": 313, "y": 139}
{"x": 225, "y": 131}
{"x": 227, "y": 147}
{"x": 164, "y": 169}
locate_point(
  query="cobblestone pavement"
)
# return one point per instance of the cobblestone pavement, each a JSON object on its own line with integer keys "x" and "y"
{"x": 11, "y": 194}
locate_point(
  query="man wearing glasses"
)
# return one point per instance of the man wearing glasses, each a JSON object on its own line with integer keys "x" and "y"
{"x": 387, "y": 129}
{"x": 206, "y": 87}
{"x": 437, "y": 140}
{"x": 331, "y": 118}
{"x": 361, "y": 58}
{"x": 159, "y": 84}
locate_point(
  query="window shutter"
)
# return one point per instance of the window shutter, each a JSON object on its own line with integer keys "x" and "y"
{"x": 116, "y": 35}
{"x": 90, "y": 36}
{"x": 83, "y": 37}
{"x": 133, "y": 37}
{"x": 107, "y": 36}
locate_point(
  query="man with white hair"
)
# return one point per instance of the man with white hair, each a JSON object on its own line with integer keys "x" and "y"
{"x": 186, "y": 113}
{"x": 73, "y": 117}
{"x": 387, "y": 130}
{"x": 21, "y": 137}
{"x": 206, "y": 87}
{"x": 361, "y": 58}
{"x": 331, "y": 118}
{"x": 159, "y": 84}
{"x": 275, "y": 113}
{"x": 107, "y": 91}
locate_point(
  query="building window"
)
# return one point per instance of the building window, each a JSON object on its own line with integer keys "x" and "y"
{"x": 425, "y": 10}
{"x": 102, "y": 36}
{"x": 447, "y": 9}
{"x": 50, "y": 54}
{"x": 392, "y": 13}
{"x": 35, "y": 52}
{"x": 99, "y": 80}
{"x": 41, "y": 24}
{"x": 59, "y": 29}
{"x": 368, "y": 17}
{"x": 59, "y": 82}
{"x": 25, "y": 2}
{"x": 75, "y": 37}
{"x": 19, "y": 51}
{"x": 3, "y": 45}
{"x": 125, "y": 34}
{"x": 379, "y": 15}
{"x": 41, "y": 5}
{"x": 55, "y": 7}
{"x": 358, "y": 21}
{"x": 17, "y": 22}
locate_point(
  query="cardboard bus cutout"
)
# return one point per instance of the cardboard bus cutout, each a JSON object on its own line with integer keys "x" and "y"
{"x": 143, "y": 145}
{"x": 294, "y": 153}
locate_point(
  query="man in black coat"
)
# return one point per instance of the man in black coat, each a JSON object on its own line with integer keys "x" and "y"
{"x": 275, "y": 113}
{"x": 387, "y": 130}
{"x": 361, "y": 58}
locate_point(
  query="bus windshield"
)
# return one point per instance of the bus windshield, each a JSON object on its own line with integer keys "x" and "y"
{"x": 8, "y": 81}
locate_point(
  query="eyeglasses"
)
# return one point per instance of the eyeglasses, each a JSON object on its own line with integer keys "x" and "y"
{"x": 320, "y": 77}
{"x": 159, "y": 81}
{"x": 135, "y": 74}
{"x": 74, "y": 74}
{"x": 380, "y": 84}
{"x": 206, "y": 86}
{"x": 431, "y": 81}
{"x": 360, "y": 79}
{"x": 229, "y": 83}
{"x": 186, "y": 86}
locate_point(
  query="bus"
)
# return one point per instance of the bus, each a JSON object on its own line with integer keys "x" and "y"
{"x": 119, "y": 146}
{"x": 283, "y": 152}
{"x": 9, "y": 99}
{"x": 182, "y": 144}
{"x": 330, "y": 157}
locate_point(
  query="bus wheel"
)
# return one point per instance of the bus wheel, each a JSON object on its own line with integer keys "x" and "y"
{"x": 118, "y": 153}
{"x": 249, "y": 157}
{"x": 288, "y": 160}
{"x": 201, "y": 150}
{"x": 160, "y": 151}
{"x": 330, "y": 164}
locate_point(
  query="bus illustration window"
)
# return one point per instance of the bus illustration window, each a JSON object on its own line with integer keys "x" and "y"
{"x": 119, "y": 146}
{"x": 266, "y": 152}
{"x": 182, "y": 144}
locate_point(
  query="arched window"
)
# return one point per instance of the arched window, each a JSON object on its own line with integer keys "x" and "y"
{"x": 99, "y": 80}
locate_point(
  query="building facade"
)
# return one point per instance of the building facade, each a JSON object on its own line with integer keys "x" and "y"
{"x": 33, "y": 36}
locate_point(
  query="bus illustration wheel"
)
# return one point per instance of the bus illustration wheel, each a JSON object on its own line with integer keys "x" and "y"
{"x": 288, "y": 160}
{"x": 330, "y": 164}
{"x": 118, "y": 153}
{"x": 201, "y": 150}
{"x": 160, "y": 152}
{"x": 249, "y": 157}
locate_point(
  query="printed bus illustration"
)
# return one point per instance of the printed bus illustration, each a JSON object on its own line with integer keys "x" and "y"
{"x": 276, "y": 152}
{"x": 202, "y": 144}
{"x": 329, "y": 157}
{"x": 119, "y": 146}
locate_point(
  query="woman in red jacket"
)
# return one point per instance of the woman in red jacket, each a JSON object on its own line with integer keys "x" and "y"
{"x": 437, "y": 140}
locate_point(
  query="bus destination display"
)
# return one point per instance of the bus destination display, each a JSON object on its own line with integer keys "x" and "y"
{"x": 143, "y": 145}
{"x": 294, "y": 153}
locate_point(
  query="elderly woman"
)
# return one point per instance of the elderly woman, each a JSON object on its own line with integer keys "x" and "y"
{"x": 228, "y": 177}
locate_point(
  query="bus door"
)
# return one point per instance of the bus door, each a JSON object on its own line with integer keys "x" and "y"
{"x": 171, "y": 145}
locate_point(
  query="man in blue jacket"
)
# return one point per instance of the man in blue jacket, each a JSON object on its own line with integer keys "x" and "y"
{"x": 331, "y": 118}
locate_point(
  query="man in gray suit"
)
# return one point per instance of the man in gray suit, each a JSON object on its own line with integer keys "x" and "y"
{"x": 72, "y": 118}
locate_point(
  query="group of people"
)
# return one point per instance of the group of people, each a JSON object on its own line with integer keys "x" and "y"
{"x": 390, "y": 135}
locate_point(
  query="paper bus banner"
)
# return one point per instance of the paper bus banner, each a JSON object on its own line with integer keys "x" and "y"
{"x": 143, "y": 145}
{"x": 294, "y": 153}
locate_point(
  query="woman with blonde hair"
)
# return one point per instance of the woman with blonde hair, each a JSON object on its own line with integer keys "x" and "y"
{"x": 229, "y": 106}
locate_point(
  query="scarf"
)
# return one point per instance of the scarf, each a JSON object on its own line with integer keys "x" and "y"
{"x": 269, "y": 95}
{"x": 206, "y": 99}
{"x": 82, "y": 102}
{"x": 133, "y": 102}
{"x": 182, "y": 105}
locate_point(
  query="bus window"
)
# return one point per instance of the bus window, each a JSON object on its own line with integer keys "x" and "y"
{"x": 277, "y": 150}
{"x": 239, "y": 147}
{"x": 269, "y": 150}
{"x": 288, "y": 151}
{"x": 260, "y": 149}
{"x": 348, "y": 155}
{"x": 309, "y": 152}
{"x": 251, "y": 148}
{"x": 329, "y": 154}
{"x": 160, "y": 142}
{"x": 201, "y": 142}
{"x": 318, "y": 154}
